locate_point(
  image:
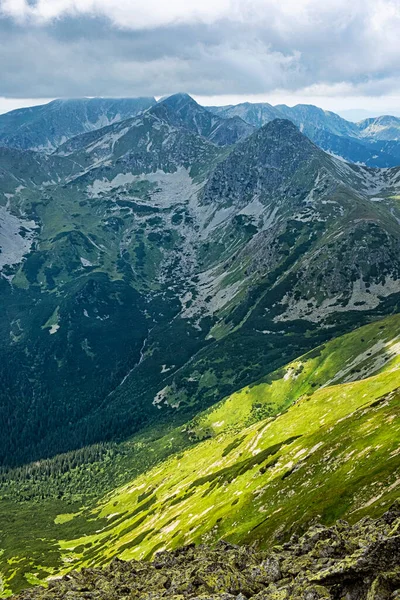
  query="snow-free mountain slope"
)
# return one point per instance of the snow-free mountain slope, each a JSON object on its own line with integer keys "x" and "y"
{"x": 385, "y": 128}
{"x": 316, "y": 440}
{"x": 160, "y": 235}
{"x": 373, "y": 142}
{"x": 47, "y": 126}
{"x": 220, "y": 131}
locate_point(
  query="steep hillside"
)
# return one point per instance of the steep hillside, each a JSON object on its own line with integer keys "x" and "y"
{"x": 315, "y": 441}
{"x": 373, "y": 142}
{"x": 92, "y": 269}
{"x": 220, "y": 131}
{"x": 257, "y": 481}
{"x": 47, "y": 126}
{"x": 383, "y": 128}
{"x": 203, "y": 267}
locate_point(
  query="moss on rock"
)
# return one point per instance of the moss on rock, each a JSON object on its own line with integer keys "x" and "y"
{"x": 355, "y": 562}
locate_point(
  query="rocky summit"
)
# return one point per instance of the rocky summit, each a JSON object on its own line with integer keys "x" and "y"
{"x": 343, "y": 562}
{"x": 374, "y": 142}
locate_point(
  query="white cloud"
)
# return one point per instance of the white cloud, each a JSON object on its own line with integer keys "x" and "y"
{"x": 134, "y": 14}
{"x": 303, "y": 15}
{"x": 7, "y": 104}
{"x": 307, "y": 48}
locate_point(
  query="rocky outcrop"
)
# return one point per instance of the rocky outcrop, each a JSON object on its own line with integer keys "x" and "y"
{"x": 343, "y": 562}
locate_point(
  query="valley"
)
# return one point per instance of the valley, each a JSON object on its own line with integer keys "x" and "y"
{"x": 189, "y": 287}
{"x": 317, "y": 439}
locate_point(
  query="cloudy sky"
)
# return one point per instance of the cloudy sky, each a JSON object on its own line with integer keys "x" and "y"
{"x": 339, "y": 54}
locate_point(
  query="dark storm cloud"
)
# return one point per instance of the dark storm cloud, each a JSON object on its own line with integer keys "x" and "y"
{"x": 83, "y": 53}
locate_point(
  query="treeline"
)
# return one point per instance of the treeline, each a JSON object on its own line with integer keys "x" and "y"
{"x": 71, "y": 476}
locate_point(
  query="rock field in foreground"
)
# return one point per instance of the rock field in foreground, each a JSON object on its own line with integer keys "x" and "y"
{"x": 343, "y": 562}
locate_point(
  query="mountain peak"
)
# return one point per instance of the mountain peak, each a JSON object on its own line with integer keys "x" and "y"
{"x": 281, "y": 125}
{"x": 178, "y": 99}
{"x": 281, "y": 132}
{"x": 263, "y": 164}
{"x": 182, "y": 110}
{"x": 383, "y": 128}
{"x": 183, "y": 104}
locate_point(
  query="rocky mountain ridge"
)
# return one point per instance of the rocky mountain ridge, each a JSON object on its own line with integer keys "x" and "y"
{"x": 43, "y": 128}
{"x": 145, "y": 221}
{"x": 373, "y": 142}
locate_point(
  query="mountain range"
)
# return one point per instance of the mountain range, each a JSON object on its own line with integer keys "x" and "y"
{"x": 374, "y": 142}
{"x": 46, "y": 126}
{"x": 147, "y": 222}
{"x": 200, "y": 317}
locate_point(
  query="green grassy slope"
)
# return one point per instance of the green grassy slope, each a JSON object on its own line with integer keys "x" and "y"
{"x": 318, "y": 439}
{"x": 328, "y": 456}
